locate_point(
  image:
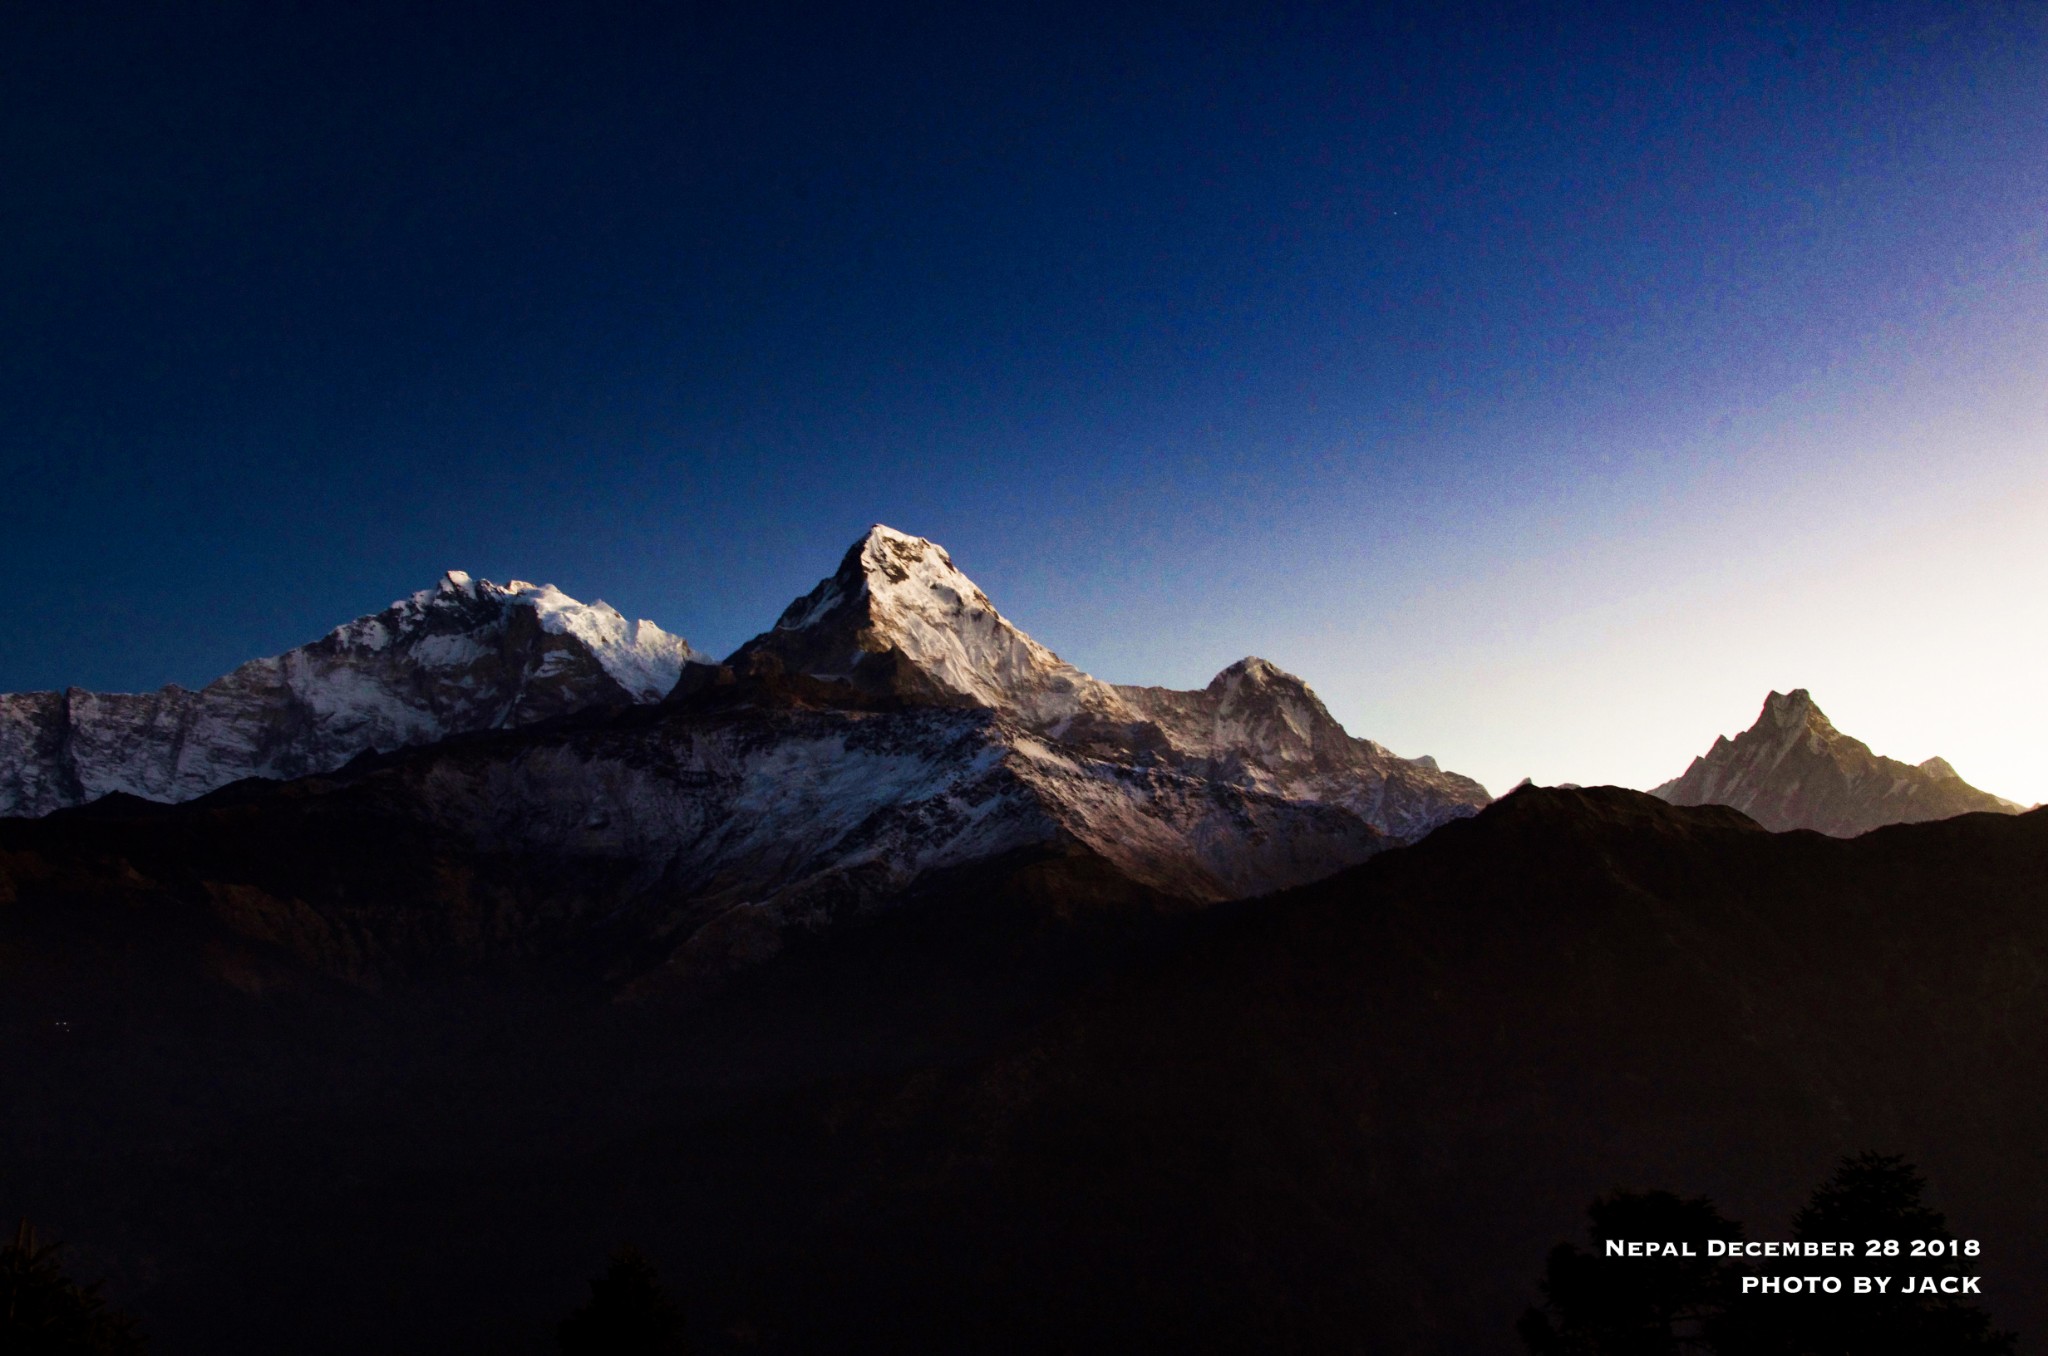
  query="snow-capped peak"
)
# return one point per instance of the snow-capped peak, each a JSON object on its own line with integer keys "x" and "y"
{"x": 643, "y": 658}
{"x": 440, "y": 625}
{"x": 899, "y": 615}
{"x": 905, "y": 572}
{"x": 461, "y": 656}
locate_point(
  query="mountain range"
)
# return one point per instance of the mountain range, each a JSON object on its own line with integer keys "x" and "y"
{"x": 897, "y": 621}
{"x": 465, "y": 655}
{"x": 597, "y": 777}
{"x": 891, "y": 727}
{"x": 902, "y": 987}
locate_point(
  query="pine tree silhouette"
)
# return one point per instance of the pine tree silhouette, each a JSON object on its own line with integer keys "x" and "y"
{"x": 629, "y": 1314}
{"x": 43, "y": 1312}
{"x": 1869, "y": 1197}
{"x": 1595, "y": 1305}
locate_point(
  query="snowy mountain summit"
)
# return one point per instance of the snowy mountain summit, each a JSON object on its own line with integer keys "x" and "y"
{"x": 1794, "y": 770}
{"x": 640, "y": 657}
{"x": 464, "y": 655}
{"x": 899, "y": 618}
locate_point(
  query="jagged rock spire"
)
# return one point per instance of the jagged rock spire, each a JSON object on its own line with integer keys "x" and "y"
{"x": 1794, "y": 770}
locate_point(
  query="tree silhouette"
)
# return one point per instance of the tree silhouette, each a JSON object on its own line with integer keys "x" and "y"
{"x": 43, "y": 1312}
{"x": 1596, "y": 1305}
{"x": 1869, "y": 1194}
{"x": 1871, "y": 1197}
{"x": 628, "y": 1314}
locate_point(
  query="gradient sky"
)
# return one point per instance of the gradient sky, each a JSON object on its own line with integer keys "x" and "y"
{"x": 1544, "y": 384}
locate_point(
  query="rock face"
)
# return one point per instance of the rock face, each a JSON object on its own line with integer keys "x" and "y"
{"x": 1794, "y": 770}
{"x": 465, "y": 655}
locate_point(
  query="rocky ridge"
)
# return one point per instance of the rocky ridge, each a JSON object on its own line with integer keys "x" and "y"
{"x": 1794, "y": 770}
{"x": 465, "y": 655}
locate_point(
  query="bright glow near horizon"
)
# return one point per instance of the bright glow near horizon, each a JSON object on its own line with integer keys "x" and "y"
{"x": 1920, "y": 636}
{"x": 1895, "y": 567}
{"x": 1915, "y": 612}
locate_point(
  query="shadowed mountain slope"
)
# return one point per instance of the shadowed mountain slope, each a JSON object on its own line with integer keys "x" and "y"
{"x": 1046, "y": 1110}
{"x": 1356, "y": 1116}
{"x": 678, "y": 843}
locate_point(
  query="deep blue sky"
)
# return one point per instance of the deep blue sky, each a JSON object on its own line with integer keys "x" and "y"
{"x": 1504, "y": 370}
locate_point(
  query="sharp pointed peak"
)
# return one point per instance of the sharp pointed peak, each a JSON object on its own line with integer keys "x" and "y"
{"x": 886, "y": 554}
{"x": 1785, "y": 710}
{"x": 1261, "y": 681}
{"x": 901, "y": 595}
{"x": 882, "y": 532}
{"x": 1253, "y": 669}
{"x": 887, "y": 562}
{"x": 1794, "y": 770}
{"x": 883, "y": 540}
